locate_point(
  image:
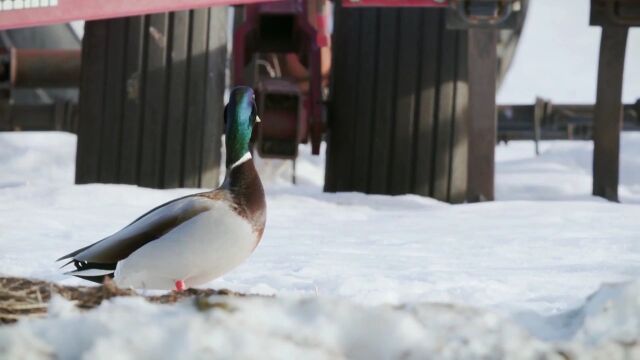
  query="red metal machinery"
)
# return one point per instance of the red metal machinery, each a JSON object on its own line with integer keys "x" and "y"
{"x": 290, "y": 92}
{"x": 395, "y": 3}
{"x": 25, "y": 13}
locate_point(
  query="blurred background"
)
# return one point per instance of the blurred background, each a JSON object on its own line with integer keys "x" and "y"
{"x": 408, "y": 96}
{"x": 401, "y": 92}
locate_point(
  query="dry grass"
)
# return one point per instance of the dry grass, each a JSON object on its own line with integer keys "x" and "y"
{"x": 21, "y": 298}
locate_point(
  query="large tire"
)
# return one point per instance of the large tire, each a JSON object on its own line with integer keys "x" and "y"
{"x": 151, "y": 99}
{"x": 397, "y": 105}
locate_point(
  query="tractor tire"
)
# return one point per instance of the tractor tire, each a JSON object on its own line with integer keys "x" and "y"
{"x": 151, "y": 99}
{"x": 398, "y": 103}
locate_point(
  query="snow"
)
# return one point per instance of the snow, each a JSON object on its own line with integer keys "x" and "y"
{"x": 267, "y": 329}
{"x": 562, "y": 171}
{"x": 525, "y": 264}
{"x": 557, "y": 57}
{"x": 606, "y": 327}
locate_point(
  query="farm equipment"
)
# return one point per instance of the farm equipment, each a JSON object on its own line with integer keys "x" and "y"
{"x": 134, "y": 73}
{"x": 410, "y": 107}
{"x": 280, "y": 36}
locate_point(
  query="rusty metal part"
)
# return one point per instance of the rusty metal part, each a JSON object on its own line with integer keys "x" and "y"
{"x": 44, "y": 68}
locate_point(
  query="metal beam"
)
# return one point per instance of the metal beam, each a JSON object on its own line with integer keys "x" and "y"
{"x": 395, "y": 3}
{"x": 608, "y": 112}
{"x": 44, "y": 68}
{"x": 482, "y": 113}
{"x": 25, "y": 13}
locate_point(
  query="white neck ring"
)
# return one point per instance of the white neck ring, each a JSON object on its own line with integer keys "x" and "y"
{"x": 243, "y": 159}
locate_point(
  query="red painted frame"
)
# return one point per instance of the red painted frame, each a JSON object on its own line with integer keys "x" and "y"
{"x": 395, "y": 3}
{"x": 69, "y": 10}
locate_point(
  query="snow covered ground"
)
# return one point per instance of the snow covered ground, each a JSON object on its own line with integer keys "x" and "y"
{"x": 339, "y": 263}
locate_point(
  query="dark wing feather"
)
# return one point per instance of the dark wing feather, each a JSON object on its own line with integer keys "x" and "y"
{"x": 146, "y": 228}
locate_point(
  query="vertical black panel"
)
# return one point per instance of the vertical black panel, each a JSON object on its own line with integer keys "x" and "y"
{"x": 444, "y": 120}
{"x": 407, "y": 70}
{"x": 152, "y": 93}
{"x": 427, "y": 93}
{"x": 482, "y": 113}
{"x": 154, "y": 101}
{"x": 460, "y": 140}
{"x": 608, "y": 112}
{"x": 214, "y": 106}
{"x": 364, "y": 101}
{"x": 385, "y": 101}
{"x": 177, "y": 88}
{"x": 342, "y": 113}
{"x": 195, "y": 98}
{"x": 348, "y": 118}
{"x": 131, "y": 119}
{"x": 91, "y": 101}
{"x": 113, "y": 100}
{"x": 413, "y": 90}
{"x": 338, "y": 72}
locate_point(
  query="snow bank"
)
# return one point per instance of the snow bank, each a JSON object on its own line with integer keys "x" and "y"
{"x": 36, "y": 158}
{"x": 562, "y": 171}
{"x": 607, "y": 326}
{"x": 268, "y": 328}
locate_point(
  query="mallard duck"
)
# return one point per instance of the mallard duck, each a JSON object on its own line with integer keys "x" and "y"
{"x": 194, "y": 239}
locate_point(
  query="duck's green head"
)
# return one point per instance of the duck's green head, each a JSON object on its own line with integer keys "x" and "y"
{"x": 240, "y": 115}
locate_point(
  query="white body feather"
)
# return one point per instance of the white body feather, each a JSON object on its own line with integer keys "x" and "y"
{"x": 197, "y": 251}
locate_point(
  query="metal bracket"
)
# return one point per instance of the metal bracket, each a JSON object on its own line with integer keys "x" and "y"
{"x": 496, "y": 14}
{"x": 615, "y": 13}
